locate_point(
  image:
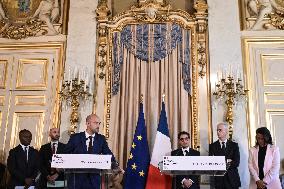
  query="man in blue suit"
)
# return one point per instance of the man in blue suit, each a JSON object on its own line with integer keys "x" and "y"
{"x": 88, "y": 142}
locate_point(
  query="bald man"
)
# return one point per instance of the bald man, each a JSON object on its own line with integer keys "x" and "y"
{"x": 88, "y": 142}
{"x": 48, "y": 174}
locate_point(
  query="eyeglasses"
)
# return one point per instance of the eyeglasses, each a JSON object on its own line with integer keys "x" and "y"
{"x": 183, "y": 139}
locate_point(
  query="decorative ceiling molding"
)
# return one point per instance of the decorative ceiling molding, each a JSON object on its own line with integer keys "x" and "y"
{"x": 262, "y": 14}
{"x": 26, "y": 18}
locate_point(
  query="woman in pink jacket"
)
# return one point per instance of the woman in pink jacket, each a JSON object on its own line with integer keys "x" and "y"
{"x": 264, "y": 162}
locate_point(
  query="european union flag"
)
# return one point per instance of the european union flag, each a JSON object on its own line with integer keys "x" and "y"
{"x": 139, "y": 159}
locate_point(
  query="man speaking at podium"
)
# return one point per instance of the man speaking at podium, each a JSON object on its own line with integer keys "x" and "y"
{"x": 185, "y": 181}
{"x": 88, "y": 142}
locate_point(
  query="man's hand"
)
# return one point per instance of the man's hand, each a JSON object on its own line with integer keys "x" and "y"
{"x": 228, "y": 163}
{"x": 51, "y": 178}
{"x": 260, "y": 184}
{"x": 55, "y": 176}
{"x": 28, "y": 182}
{"x": 187, "y": 183}
{"x": 118, "y": 170}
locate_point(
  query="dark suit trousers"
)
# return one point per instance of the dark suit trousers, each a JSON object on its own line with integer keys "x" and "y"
{"x": 222, "y": 183}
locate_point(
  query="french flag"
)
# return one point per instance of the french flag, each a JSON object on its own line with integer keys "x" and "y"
{"x": 162, "y": 147}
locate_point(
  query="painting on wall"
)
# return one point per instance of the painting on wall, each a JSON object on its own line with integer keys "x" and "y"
{"x": 27, "y": 18}
{"x": 262, "y": 14}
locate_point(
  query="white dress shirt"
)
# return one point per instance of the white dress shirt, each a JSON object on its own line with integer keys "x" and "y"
{"x": 184, "y": 153}
{"x": 221, "y": 143}
{"x": 55, "y": 143}
{"x": 26, "y": 148}
{"x": 88, "y": 140}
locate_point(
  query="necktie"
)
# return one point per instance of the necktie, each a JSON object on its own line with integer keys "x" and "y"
{"x": 185, "y": 153}
{"x": 26, "y": 153}
{"x": 90, "y": 147}
{"x": 223, "y": 146}
{"x": 53, "y": 148}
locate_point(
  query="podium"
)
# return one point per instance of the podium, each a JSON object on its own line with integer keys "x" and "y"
{"x": 193, "y": 165}
{"x": 83, "y": 165}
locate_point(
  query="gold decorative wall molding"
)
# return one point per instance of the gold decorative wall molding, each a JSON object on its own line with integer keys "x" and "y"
{"x": 30, "y": 100}
{"x": 2, "y": 100}
{"x": 264, "y": 79}
{"x": 36, "y": 18}
{"x": 3, "y": 73}
{"x": 201, "y": 8}
{"x": 26, "y": 69}
{"x": 20, "y": 121}
{"x": 151, "y": 12}
{"x": 274, "y": 97}
{"x": 262, "y": 14}
{"x": 23, "y": 103}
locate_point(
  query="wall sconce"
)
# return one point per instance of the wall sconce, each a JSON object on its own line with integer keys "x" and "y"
{"x": 75, "y": 90}
{"x": 229, "y": 89}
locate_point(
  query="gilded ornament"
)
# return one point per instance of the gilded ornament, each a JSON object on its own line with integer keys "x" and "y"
{"x": 31, "y": 28}
{"x": 265, "y": 14}
{"x": 153, "y": 11}
{"x": 102, "y": 75}
{"x": 27, "y": 18}
{"x": 277, "y": 20}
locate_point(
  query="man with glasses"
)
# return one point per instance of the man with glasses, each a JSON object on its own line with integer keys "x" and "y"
{"x": 185, "y": 181}
{"x": 88, "y": 142}
{"x": 229, "y": 149}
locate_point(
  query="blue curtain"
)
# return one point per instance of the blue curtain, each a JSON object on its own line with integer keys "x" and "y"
{"x": 151, "y": 43}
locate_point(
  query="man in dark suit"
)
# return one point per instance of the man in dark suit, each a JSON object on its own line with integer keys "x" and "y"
{"x": 48, "y": 174}
{"x": 185, "y": 181}
{"x": 2, "y": 176}
{"x": 23, "y": 162}
{"x": 229, "y": 149}
{"x": 88, "y": 142}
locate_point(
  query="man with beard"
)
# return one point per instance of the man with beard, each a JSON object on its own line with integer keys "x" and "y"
{"x": 88, "y": 142}
{"x": 185, "y": 181}
{"x": 50, "y": 175}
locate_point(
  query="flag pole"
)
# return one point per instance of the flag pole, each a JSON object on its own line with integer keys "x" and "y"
{"x": 141, "y": 98}
{"x": 163, "y": 96}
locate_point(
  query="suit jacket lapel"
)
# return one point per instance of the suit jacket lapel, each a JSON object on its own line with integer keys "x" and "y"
{"x": 255, "y": 155}
{"x": 60, "y": 148}
{"x": 268, "y": 154}
{"x": 218, "y": 148}
{"x": 49, "y": 150}
{"x": 21, "y": 153}
{"x": 96, "y": 144}
{"x": 228, "y": 148}
{"x": 83, "y": 142}
{"x": 180, "y": 152}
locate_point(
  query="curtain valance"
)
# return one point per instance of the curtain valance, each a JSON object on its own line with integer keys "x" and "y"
{"x": 151, "y": 43}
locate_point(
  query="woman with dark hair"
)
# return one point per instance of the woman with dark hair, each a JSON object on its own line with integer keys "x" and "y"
{"x": 264, "y": 162}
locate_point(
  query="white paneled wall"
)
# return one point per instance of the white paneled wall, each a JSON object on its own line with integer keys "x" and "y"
{"x": 80, "y": 50}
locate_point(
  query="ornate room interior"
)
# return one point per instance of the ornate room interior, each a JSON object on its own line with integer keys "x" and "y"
{"x": 213, "y": 61}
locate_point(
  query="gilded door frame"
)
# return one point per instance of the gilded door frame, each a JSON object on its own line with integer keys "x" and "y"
{"x": 106, "y": 25}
